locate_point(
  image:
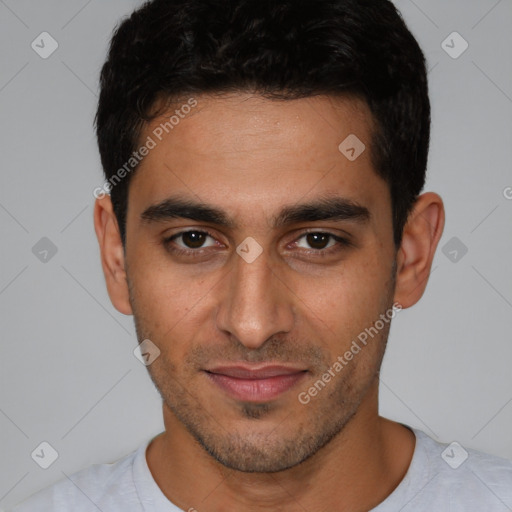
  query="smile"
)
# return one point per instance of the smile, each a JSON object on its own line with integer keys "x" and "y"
{"x": 255, "y": 384}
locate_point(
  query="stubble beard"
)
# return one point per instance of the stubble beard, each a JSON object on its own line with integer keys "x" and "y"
{"x": 289, "y": 443}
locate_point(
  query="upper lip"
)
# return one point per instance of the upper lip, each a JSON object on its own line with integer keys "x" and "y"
{"x": 255, "y": 372}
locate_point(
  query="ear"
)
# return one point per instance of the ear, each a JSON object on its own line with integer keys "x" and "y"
{"x": 421, "y": 235}
{"x": 112, "y": 254}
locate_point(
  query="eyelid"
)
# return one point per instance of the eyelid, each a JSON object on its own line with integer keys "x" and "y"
{"x": 341, "y": 242}
{"x": 335, "y": 232}
{"x": 204, "y": 231}
{"x": 192, "y": 230}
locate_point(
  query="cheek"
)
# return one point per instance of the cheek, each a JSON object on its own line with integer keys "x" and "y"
{"x": 169, "y": 304}
{"x": 352, "y": 293}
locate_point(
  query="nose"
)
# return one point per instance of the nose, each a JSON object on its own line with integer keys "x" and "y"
{"x": 255, "y": 302}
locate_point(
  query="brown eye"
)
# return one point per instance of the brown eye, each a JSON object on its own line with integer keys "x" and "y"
{"x": 321, "y": 243}
{"x": 194, "y": 239}
{"x": 318, "y": 240}
{"x": 190, "y": 240}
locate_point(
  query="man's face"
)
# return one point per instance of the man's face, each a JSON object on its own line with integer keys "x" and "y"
{"x": 243, "y": 334}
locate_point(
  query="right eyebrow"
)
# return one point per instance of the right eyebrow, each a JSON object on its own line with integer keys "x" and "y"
{"x": 174, "y": 208}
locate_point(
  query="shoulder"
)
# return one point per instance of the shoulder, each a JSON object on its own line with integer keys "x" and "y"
{"x": 466, "y": 476}
{"x": 90, "y": 489}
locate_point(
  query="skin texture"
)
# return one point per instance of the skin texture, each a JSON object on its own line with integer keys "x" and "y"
{"x": 251, "y": 157}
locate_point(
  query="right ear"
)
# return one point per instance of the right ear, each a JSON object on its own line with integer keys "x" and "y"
{"x": 112, "y": 254}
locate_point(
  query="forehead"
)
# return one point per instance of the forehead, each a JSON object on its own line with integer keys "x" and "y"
{"x": 245, "y": 151}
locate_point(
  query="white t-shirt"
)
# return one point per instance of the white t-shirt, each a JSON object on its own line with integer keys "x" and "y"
{"x": 440, "y": 478}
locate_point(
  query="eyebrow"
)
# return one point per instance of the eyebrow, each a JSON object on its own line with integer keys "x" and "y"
{"x": 323, "y": 209}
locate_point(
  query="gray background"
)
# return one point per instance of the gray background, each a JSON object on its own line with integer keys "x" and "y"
{"x": 68, "y": 373}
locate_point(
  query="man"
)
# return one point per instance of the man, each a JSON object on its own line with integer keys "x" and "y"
{"x": 264, "y": 225}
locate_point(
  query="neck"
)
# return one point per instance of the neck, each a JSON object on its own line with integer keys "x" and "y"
{"x": 355, "y": 471}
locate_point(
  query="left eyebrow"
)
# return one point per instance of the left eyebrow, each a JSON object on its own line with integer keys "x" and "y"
{"x": 323, "y": 209}
{"x": 330, "y": 208}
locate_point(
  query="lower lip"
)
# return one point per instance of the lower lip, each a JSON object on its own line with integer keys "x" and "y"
{"x": 256, "y": 390}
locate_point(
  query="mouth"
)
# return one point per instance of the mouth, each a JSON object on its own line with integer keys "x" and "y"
{"x": 260, "y": 383}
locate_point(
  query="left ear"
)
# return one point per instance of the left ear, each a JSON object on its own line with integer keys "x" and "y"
{"x": 421, "y": 235}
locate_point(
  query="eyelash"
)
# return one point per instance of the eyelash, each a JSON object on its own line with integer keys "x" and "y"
{"x": 341, "y": 243}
